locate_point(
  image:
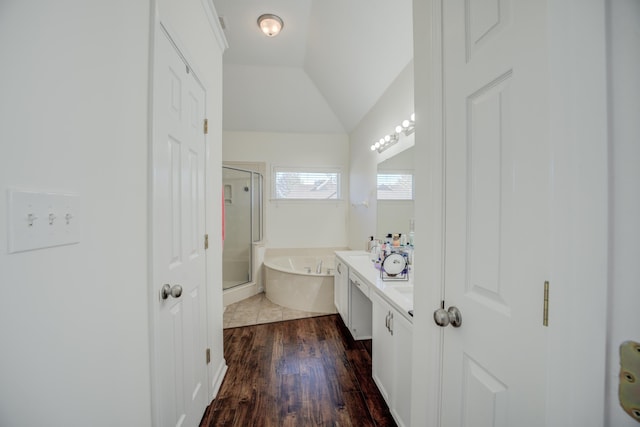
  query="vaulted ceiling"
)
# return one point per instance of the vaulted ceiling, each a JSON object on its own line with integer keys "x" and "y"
{"x": 322, "y": 73}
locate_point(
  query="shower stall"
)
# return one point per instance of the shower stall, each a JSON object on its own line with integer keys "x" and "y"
{"x": 243, "y": 224}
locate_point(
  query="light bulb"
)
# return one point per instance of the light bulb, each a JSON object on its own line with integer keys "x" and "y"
{"x": 398, "y": 129}
{"x": 405, "y": 123}
{"x": 387, "y": 138}
{"x": 373, "y": 148}
{"x": 413, "y": 117}
{"x": 377, "y": 145}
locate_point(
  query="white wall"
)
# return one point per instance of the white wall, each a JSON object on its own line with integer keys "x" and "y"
{"x": 624, "y": 96}
{"x": 298, "y": 105}
{"x": 395, "y": 105}
{"x": 292, "y": 224}
{"x": 73, "y": 319}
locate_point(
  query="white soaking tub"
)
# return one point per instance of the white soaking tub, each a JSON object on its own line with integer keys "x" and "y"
{"x": 301, "y": 282}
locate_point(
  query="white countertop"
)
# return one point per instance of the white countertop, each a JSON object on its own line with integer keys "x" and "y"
{"x": 399, "y": 293}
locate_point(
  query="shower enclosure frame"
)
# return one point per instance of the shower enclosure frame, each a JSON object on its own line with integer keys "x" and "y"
{"x": 256, "y": 219}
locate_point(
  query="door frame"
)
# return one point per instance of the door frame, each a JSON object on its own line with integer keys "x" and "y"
{"x": 579, "y": 257}
{"x": 157, "y": 28}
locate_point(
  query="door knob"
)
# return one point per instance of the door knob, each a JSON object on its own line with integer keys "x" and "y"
{"x": 444, "y": 317}
{"x": 168, "y": 290}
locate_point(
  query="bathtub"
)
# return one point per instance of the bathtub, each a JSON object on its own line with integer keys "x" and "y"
{"x": 292, "y": 281}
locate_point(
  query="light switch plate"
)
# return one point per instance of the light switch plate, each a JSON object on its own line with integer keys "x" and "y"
{"x": 42, "y": 220}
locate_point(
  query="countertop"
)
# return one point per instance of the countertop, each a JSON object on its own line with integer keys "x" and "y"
{"x": 398, "y": 293}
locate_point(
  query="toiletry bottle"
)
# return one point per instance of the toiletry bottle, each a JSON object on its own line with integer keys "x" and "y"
{"x": 374, "y": 251}
{"x": 369, "y": 245}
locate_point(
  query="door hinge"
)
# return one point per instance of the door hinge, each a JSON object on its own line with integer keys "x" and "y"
{"x": 206, "y": 126}
{"x": 545, "y": 306}
{"x": 208, "y": 355}
{"x": 206, "y": 241}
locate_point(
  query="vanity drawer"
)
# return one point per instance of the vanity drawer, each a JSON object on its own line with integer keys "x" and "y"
{"x": 358, "y": 282}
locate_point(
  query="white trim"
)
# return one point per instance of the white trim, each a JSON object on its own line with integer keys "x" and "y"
{"x": 310, "y": 169}
{"x": 153, "y": 318}
{"x": 214, "y": 22}
{"x": 216, "y": 381}
{"x": 429, "y": 207}
{"x": 579, "y": 229}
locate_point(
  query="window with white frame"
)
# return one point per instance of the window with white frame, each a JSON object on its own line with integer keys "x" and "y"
{"x": 395, "y": 186}
{"x": 306, "y": 183}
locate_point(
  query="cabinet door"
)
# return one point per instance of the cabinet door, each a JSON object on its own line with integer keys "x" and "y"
{"x": 382, "y": 347}
{"x": 336, "y": 285}
{"x": 401, "y": 391}
{"x": 344, "y": 295}
{"x": 341, "y": 291}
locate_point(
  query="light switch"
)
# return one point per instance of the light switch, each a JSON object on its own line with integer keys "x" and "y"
{"x": 25, "y": 221}
{"x": 41, "y": 220}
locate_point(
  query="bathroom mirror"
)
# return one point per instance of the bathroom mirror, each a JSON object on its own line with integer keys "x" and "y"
{"x": 395, "y": 190}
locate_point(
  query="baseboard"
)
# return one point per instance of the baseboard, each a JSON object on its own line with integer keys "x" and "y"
{"x": 238, "y": 293}
{"x": 218, "y": 377}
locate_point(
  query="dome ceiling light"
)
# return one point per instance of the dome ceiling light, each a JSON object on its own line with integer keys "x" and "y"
{"x": 270, "y": 24}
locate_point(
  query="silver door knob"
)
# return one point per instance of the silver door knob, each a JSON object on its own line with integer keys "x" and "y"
{"x": 168, "y": 290}
{"x": 451, "y": 317}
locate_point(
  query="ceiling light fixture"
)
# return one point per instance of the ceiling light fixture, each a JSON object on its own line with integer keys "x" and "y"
{"x": 270, "y": 24}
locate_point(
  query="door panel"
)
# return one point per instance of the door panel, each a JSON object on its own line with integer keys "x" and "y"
{"x": 497, "y": 175}
{"x": 484, "y": 397}
{"x": 484, "y": 20}
{"x": 488, "y": 199}
{"x": 178, "y": 238}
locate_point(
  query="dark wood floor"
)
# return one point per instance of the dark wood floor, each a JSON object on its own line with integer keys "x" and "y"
{"x": 306, "y": 372}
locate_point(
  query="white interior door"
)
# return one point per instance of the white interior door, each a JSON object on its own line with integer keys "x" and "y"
{"x": 178, "y": 238}
{"x": 497, "y": 198}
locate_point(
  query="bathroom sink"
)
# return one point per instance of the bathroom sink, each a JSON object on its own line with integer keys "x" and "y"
{"x": 361, "y": 260}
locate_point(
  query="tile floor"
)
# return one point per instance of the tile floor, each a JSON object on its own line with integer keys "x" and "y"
{"x": 258, "y": 309}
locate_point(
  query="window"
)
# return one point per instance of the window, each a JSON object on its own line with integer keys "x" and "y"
{"x": 311, "y": 184}
{"x": 395, "y": 186}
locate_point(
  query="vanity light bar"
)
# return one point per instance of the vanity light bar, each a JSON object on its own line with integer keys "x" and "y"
{"x": 407, "y": 127}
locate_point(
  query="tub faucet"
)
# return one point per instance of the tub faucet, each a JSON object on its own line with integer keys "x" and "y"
{"x": 319, "y": 267}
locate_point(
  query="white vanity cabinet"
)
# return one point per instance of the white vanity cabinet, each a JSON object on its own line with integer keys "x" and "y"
{"x": 391, "y": 358}
{"x": 359, "y": 307}
{"x": 341, "y": 290}
{"x": 378, "y": 309}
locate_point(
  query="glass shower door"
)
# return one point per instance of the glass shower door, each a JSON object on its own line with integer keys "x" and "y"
{"x": 236, "y": 256}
